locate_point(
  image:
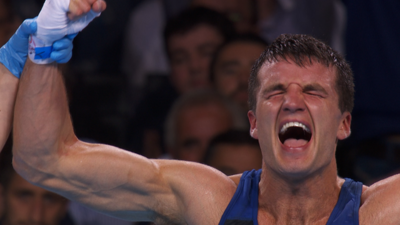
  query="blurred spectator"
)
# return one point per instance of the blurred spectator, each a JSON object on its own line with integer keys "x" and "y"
{"x": 231, "y": 67}
{"x": 144, "y": 52}
{"x": 82, "y": 215}
{"x": 191, "y": 38}
{"x": 24, "y": 203}
{"x": 195, "y": 119}
{"x": 234, "y": 152}
{"x": 324, "y": 20}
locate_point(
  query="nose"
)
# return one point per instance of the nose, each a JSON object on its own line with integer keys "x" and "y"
{"x": 37, "y": 211}
{"x": 294, "y": 99}
{"x": 195, "y": 66}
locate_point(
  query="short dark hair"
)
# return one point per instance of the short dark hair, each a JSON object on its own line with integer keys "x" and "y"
{"x": 193, "y": 17}
{"x": 240, "y": 38}
{"x": 233, "y": 137}
{"x": 303, "y": 49}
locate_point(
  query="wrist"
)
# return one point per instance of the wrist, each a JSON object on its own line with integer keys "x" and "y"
{"x": 39, "y": 51}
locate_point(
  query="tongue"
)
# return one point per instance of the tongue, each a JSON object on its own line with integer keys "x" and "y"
{"x": 293, "y": 143}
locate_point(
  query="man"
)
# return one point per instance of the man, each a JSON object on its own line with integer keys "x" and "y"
{"x": 301, "y": 98}
{"x": 233, "y": 152}
{"x": 231, "y": 67}
{"x": 25, "y": 203}
{"x": 191, "y": 38}
{"x": 195, "y": 119}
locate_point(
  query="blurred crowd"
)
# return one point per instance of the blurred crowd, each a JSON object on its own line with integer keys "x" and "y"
{"x": 168, "y": 79}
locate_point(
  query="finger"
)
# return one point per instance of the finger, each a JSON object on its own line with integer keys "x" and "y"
{"x": 66, "y": 59}
{"x": 72, "y": 36}
{"x": 62, "y": 56}
{"x": 77, "y": 8}
{"x": 64, "y": 43}
{"x": 28, "y": 27}
{"x": 99, "y": 6}
{"x": 82, "y": 22}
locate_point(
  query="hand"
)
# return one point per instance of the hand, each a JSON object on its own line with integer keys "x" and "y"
{"x": 62, "y": 49}
{"x": 79, "y": 7}
{"x": 13, "y": 54}
{"x": 54, "y": 23}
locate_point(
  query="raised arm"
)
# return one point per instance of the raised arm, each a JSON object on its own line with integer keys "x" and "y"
{"x": 8, "y": 91}
{"x": 12, "y": 59}
{"x": 117, "y": 182}
{"x": 114, "y": 181}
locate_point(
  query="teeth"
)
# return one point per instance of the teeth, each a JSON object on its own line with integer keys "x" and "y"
{"x": 294, "y": 124}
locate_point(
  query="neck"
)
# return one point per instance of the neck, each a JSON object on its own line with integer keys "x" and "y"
{"x": 306, "y": 200}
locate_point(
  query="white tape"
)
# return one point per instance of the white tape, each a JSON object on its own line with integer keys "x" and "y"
{"x": 54, "y": 24}
{"x": 38, "y": 52}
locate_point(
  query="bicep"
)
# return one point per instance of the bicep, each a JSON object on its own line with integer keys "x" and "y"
{"x": 132, "y": 187}
{"x": 111, "y": 180}
{"x": 380, "y": 203}
{"x": 8, "y": 91}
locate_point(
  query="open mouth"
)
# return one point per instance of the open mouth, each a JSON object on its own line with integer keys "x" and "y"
{"x": 294, "y": 134}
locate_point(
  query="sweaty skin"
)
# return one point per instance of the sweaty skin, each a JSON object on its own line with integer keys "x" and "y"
{"x": 128, "y": 186}
{"x": 113, "y": 181}
{"x": 298, "y": 185}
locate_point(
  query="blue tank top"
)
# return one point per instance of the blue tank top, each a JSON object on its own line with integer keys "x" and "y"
{"x": 243, "y": 208}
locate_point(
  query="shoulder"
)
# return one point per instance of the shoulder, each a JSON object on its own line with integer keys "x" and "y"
{"x": 380, "y": 203}
{"x": 236, "y": 178}
{"x": 198, "y": 188}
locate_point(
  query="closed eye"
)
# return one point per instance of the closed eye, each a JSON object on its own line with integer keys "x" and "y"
{"x": 315, "y": 90}
{"x": 315, "y": 93}
{"x": 274, "y": 93}
{"x": 274, "y": 90}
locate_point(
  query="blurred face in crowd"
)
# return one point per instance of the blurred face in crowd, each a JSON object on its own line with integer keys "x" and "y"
{"x": 28, "y": 204}
{"x": 235, "y": 159}
{"x": 190, "y": 57}
{"x": 197, "y": 125}
{"x": 232, "y": 70}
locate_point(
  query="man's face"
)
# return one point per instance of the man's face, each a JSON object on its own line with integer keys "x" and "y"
{"x": 28, "y": 204}
{"x": 232, "y": 70}
{"x": 196, "y": 127}
{"x": 234, "y": 159}
{"x": 190, "y": 57}
{"x": 297, "y": 119}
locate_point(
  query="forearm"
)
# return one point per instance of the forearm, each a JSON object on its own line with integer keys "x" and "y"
{"x": 8, "y": 91}
{"x": 42, "y": 124}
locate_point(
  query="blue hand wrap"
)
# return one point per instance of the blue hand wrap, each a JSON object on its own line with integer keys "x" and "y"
{"x": 43, "y": 52}
{"x": 13, "y": 54}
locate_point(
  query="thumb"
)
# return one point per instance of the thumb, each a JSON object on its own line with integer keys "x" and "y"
{"x": 28, "y": 27}
{"x": 79, "y": 24}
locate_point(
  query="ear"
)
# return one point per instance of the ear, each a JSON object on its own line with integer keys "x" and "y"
{"x": 253, "y": 124}
{"x": 344, "y": 127}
